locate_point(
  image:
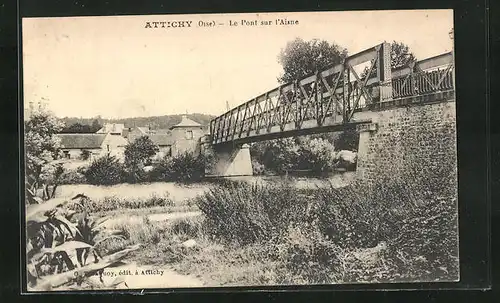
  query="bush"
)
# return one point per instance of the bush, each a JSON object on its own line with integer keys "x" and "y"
{"x": 347, "y": 140}
{"x": 136, "y": 174}
{"x": 185, "y": 167}
{"x": 243, "y": 213}
{"x": 85, "y": 154}
{"x": 54, "y": 233}
{"x": 407, "y": 210}
{"x": 106, "y": 170}
{"x": 307, "y": 257}
{"x": 258, "y": 169}
{"x": 402, "y": 226}
{"x": 318, "y": 155}
{"x": 113, "y": 203}
{"x": 73, "y": 176}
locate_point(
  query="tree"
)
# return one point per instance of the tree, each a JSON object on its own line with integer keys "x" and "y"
{"x": 277, "y": 155}
{"x": 140, "y": 151}
{"x": 138, "y": 154}
{"x": 400, "y": 56}
{"x": 77, "y": 128}
{"x": 347, "y": 140}
{"x": 317, "y": 154}
{"x": 95, "y": 126}
{"x": 300, "y": 58}
{"x": 41, "y": 149}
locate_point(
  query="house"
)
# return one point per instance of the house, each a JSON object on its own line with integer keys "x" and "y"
{"x": 186, "y": 136}
{"x": 164, "y": 143}
{"x": 182, "y": 137}
{"x": 112, "y": 129}
{"x": 75, "y": 146}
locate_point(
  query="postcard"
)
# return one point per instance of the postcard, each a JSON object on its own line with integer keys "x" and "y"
{"x": 250, "y": 150}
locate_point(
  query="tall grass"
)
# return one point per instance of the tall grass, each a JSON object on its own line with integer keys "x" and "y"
{"x": 243, "y": 213}
{"x": 110, "y": 203}
{"x": 402, "y": 226}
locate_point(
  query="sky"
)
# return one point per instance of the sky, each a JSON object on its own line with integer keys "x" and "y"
{"x": 117, "y": 67}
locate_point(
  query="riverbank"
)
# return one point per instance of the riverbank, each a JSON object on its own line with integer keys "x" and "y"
{"x": 180, "y": 193}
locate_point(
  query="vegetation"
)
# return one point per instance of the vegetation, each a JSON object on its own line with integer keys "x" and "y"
{"x": 82, "y": 128}
{"x": 73, "y": 176}
{"x": 300, "y": 58}
{"x": 384, "y": 231}
{"x": 85, "y": 154}
{"x": 315, "y": 153}
{"x": 245, "y": 213}
{"x": 62, "y": 245}
{"x": 41, "y": 149}
{"x": 400, "y": 56}
{"x": 156, "y": 122}
{"x": 106, "y": 170}
{"x": 138, "y": 154}
{"x": 111, "y": 203}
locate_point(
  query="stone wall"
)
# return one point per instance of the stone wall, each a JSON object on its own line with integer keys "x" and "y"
{"x": 421, "y": 137}
{"x": 183, "y": 142}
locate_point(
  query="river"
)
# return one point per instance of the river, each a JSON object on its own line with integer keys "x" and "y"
{"x": 179, "y": 192}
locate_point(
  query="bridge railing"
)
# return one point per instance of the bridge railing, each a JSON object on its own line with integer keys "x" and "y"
{"x": 335, "y": 93}
{"x": 424, "y": 77}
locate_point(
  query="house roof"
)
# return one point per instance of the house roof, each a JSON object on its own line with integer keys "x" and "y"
{"x": 186, "y": 122}
{"x": 161, "y": 139}
{"x": 116, "y": 140}
{"x": 81, "y": 141}
{"x": 111, "y": 128}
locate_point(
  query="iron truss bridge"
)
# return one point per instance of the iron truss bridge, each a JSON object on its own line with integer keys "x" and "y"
{"x": 328, "y": 99}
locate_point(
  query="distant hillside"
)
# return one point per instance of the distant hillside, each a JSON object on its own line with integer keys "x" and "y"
{"x": 156, "y": 122}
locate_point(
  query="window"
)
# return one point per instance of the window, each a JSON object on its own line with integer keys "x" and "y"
{"x": 108, "y": 147}
{"x": 168, "y": 151}
{"x": 67, "y": 154}
{"x": 189, "y": 134}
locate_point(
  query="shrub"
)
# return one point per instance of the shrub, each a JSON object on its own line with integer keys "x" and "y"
{"x": 306, "y": 257}
{"x": 347, "y": 140}
{"x": 139, "y": 152}
{"x": 258, "y": 168}
{"x": 54, "y": 233}
{"x": 106, "y": 170}
{"x": 407, "y": 210}
{"x": 277, "y": 155}
{"x": 111, "y": 203}
{"x": 188, "y": 227}
{"x": 185, "y": 167}
{"x": 85, "y": 154}
{"x": 73, "y": 177}
{"x": 244, "y": 213}
{"x": 317, "y": 154}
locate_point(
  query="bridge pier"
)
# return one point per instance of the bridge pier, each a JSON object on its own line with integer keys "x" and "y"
{"x": 232, "y": 161}
{"x": 419, "y": 138}
{"x": 365, "y": 132}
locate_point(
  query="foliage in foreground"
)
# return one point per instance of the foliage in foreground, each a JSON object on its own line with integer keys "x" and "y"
{"x": 62, "y": 245}
{"x": 243, "y": 213}
{"x": 399, "y": 228}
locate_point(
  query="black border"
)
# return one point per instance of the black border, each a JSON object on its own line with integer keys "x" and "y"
{"x": 471, "y": 20}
